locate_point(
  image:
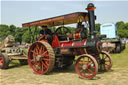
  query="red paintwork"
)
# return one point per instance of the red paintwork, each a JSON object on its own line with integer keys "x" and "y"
{"x": 97, "y": 45}
{"x": 1, "y": 61}
{"x": 71, "y": 43}
{"x": 66, "y": 44}
{"x": 80, "y": 43}
{"x": 55, "y": 42}
{"x": 77, "y": 36}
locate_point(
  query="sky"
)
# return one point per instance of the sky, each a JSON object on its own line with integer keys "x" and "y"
{"x": 21, "y": 11}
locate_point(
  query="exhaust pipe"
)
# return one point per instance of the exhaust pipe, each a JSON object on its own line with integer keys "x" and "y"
{"x": 91, "y": 18}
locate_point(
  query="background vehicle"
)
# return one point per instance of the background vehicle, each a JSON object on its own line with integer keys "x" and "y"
{"x": 9, "y": 51}
{"x": 112, "y": 42}
{"x": 43, "y": 57}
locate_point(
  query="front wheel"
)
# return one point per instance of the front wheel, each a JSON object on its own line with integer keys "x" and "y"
{"x": 4, "y": 61}
{"x": 86, "y": 66}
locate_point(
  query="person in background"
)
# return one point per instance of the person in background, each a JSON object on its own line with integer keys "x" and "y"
{"x": 81, "y": 29}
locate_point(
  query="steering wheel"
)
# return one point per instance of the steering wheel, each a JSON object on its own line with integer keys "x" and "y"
{"x": 43, "y": 37}
{"x": 62, "y": 31}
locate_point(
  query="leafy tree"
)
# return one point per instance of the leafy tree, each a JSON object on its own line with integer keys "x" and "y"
{"x": 97, "y": 26}
{"x": 122, "y": 29}
{"x": 26, "y": 37}
{"x": 119, "y": 23}
{"x": 4, "y": 31}
{"x": 12, "y": 29}
{"x": 18, "y": 35}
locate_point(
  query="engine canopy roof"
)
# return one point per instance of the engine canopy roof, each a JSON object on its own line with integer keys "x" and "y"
{"x": 60, "y": 20}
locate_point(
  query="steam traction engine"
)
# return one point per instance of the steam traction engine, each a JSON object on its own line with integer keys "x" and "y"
{"x": 43, "y": 57}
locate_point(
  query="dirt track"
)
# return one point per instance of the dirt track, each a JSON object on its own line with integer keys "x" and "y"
{"x": 24, "y": 76}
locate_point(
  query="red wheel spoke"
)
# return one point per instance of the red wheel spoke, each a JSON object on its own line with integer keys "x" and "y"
{"x": 106, "y": 64}
{"x": 32, "y": 60}
{"x": 41, "y": 50}
{"x": 34, "y": 52}
{"x": 90, "y": 63}
{"x": 37, "y": 47}
{"x": 81, "y": 62}
{"x": 90, "y": 71}
{"x": 40, "y": 67}
{"x": 107, "y": 61}
{"x": 34, "y": 55}
{"x": 81, "y": 71}
{"x": 45, "y": 59}
{"x": 44, "y": 65}
{"x": 47, "y": 63}
{"x": 37, "y": 63}
{"x": 44, "y": 53}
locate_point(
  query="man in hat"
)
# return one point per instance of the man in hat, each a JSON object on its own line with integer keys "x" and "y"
{"x": 47, "y": 32}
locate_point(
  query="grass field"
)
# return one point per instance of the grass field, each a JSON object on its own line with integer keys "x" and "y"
{"x": 23, "y": 75}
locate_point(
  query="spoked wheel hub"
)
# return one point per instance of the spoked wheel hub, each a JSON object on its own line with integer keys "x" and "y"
{"x": 102, "y": 61}
{"x": 86, "y": 66}
{"x": 41, "y": 57}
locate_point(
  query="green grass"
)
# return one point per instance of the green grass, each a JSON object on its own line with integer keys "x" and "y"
{"x": 23, "y": 75}
{"x": 120, "y": 59}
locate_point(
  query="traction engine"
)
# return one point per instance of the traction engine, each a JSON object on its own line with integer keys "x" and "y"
{"x": 87, "y": 53}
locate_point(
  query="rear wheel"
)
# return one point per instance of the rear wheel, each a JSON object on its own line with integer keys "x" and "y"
{"x": 4, "y": 61}
{"x": 105, "y": 62}
{"x": 86, "y": 66}
{"x": 41, "y": 57}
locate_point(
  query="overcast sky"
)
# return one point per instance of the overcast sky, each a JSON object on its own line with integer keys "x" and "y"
{"x": 18, "y": 12}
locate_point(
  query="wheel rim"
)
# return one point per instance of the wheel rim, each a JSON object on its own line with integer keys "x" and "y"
{"x": 39, "y": 58}
{"x": 1, "y": 61}
{"x": 105, "y": 61}
{"x": 86, "y": 67}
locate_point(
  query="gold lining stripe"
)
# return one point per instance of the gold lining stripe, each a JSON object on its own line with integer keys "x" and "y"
{"x": 85, "y": 48}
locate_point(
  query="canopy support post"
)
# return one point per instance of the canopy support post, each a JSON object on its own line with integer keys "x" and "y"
{"x": 34, "y": 34}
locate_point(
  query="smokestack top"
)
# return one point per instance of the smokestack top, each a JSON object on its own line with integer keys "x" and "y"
{"x": 90, "y": 5}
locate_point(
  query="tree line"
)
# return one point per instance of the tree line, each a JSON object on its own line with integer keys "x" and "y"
{"x": 27, "y": 34}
